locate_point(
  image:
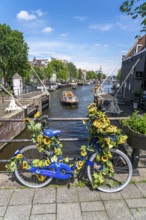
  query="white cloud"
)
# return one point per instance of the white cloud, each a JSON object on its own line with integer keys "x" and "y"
{"x": 121, "y": 26}
{"x": 38, "y": 12}
{"x": 105, "y": 46}
{"x": 47, "y": 29}
{"x": 101, "y": 27}
{"x": 123, "y": 22}
{"x": 80, "y": 18}
{"x": 82, "y": 57}
{"x": 24, "y": 15}
{"x": 101, "y": 45}
{"x": 64, "y": 35}
{"x": 96, "y": 45}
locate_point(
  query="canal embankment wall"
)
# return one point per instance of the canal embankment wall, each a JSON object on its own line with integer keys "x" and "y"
{"x": 31, "y": 103}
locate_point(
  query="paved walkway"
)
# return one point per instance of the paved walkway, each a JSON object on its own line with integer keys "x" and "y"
{"x": 76, "y": 203}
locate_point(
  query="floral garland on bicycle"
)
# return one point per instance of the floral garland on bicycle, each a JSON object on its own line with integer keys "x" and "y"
{"x": 99, "y": 126}
{"x": 108, "y": 136}
{"x": 42, "y": 143}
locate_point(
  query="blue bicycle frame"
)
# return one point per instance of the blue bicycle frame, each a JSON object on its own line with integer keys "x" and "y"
{"x": 58, "y": 169}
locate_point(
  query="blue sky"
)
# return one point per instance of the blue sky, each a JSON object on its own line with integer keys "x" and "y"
{"x": 88, "y": 33}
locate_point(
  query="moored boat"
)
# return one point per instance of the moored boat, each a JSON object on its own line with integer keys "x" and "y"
{"x": 73, "y": 85}
{"x": 69, "y": 98}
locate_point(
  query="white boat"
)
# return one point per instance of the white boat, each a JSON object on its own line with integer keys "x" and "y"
{"x": 73, "y": 85}
{"x": 69, "y": 98}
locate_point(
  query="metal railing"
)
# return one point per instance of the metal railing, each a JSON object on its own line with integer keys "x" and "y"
{"x": 51, "y": 120}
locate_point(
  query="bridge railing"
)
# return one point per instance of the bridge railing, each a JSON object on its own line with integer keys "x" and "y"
{"x": 2, "y": 120}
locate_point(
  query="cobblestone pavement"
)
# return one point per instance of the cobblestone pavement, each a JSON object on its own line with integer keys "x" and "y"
{"x": 76, "y": 203}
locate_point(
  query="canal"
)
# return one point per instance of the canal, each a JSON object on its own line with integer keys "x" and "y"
{"x": 70, "y": 129}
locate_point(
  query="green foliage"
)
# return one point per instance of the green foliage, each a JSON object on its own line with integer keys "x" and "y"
{"x": 13, "y": 53}
{"x": 101, "y": 76}
{"x": 91, "y": 75}
{"x": 80, "y": 74}
{"x": 40, "y": 72}
{"x": 108, "y": 136}
{"x": 60, "y": 69}
{"x": 135, "y": 8}
{"x": 49, "y": 71}
{"x": 136, "y": 122}
{"x": 119, "y": 74}
{"x": 72, "y": 71}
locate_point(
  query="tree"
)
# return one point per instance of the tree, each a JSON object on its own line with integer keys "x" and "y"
{"x": 72, "y": 71}
{"x": 60, "y": 69}
{"x": 91, "y": 75}
{"x": 119, "y": 74}
{"x": 39, "y": 71}
{"x": 135, "y": 8}
{"x": 62, "y": 75}
{"x": 13, "y": 53}
{"x": 80, "y": 74}
{"x": 49, "y": 71}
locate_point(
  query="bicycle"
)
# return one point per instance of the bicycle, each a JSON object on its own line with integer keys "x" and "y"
{"x": 36, "y": 176}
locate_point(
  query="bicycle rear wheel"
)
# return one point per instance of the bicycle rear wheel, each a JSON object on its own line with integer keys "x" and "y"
{"x": 27, "y": 178}
{"x": 122, "y": 172}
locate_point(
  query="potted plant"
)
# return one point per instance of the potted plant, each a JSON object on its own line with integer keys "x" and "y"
{"x": 135, "y": 126}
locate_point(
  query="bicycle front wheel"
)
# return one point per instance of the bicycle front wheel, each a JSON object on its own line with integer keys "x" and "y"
{"x": 122, "y": 172}
{"x": 27, "y": 178}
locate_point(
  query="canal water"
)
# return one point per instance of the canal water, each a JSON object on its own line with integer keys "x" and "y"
{"x": 71, "y": 129}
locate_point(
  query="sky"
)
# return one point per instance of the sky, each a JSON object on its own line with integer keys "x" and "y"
{"x": 88, "y": 33}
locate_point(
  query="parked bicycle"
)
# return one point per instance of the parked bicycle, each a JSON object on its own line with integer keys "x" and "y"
{"x": 108, "y": 170}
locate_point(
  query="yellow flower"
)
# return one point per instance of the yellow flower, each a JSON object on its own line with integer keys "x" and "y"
{"x": 46, "y": 140}
{"x": 122, "y": 140}
{"x": 39, "y": 139}
{"x": 40, "y": 163}
{"x": 26, "y": 120}
{"x": 107, "y": 141}
{"x": 58, "y": 151}
{"x": 109, "y": 154}
{"x": 97, "y": 124}
{"x": 104, "y": 158}
{"x": 80, "y": 163}
{"x": 37, "y": 114}
{"x": 47, "y": 162}
{"x": 40, "y": 178}
{"x": 25, "y": 165}
{"x": 19, "y": 156}
{"x": 83, "y": 153}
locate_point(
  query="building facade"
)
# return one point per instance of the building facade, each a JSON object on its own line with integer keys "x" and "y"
{"x": 136, "y": 82}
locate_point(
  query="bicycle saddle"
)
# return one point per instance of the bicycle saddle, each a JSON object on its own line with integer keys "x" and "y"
{"x": 51, "y": 133}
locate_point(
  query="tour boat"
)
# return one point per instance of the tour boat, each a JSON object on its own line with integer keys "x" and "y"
{"x": 69, "y": 98}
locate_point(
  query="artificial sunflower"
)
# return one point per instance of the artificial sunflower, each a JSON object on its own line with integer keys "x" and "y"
{"x": 40, "y": 177}
{"x": 37, "y": 114}
{"x": 122, "y": 139}
{"x": 40, "y": 139}
{"x": 46, "y": 140}
{"x": 40, "y": 163}
{"x": 83, "y": 153}
{"x": 80, "y": 164}
{"x": 19, "y": 156}
{"x": 47, "y": 162}
{"x": 25, "y": 165}
{"x": 104, "y": 158}
{"x": 26, "y": 120}
{"x": 58, "y": 151}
